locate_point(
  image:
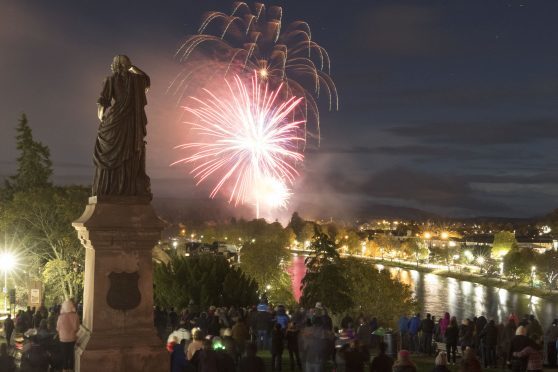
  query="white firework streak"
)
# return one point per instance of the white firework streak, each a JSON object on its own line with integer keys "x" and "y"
{"x": 244, "y": 137}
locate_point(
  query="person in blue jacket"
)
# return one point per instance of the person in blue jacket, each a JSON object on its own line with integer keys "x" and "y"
{"x": 413, "y": 328}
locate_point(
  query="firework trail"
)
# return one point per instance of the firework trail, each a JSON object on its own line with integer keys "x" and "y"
{"x": 246, "y": 142}
{"x": 254, "y": 40}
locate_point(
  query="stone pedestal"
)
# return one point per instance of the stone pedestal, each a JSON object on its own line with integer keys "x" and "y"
{"x": 117, "y": 334}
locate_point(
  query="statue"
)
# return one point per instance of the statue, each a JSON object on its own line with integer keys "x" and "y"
{"x": 120, "y": 147}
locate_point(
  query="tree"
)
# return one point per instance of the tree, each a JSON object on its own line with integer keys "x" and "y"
{"x": 324, "y": 281}
{"x": 206, "y": 279}
{"x": 518, "y": 263}
{"x": 280, "y": 290}
{"x": 297, "y": 224}
{"x": 262, "y": 261}
{"x": 415, "y": 248}
{"x": 504, "y": 241}
{"x": 376, "y": 293}
{"x": 307, "y": 233}
{"x": 263, "y": 255}
{"x": 373, "y": 249}
{"x": 323, "y": 252}
{"x": 50, "y": 242}
{"x": 389, "y": 245}
{"x": 547, "y": 264}
{"x": 38, "y": 216}
{"x": 349, "y": 240}
{"x": 327, "y": 286}
{"x": 34, "y": 166}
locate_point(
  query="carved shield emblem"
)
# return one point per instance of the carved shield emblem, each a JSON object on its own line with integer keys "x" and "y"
{"x": 123, "y": 293}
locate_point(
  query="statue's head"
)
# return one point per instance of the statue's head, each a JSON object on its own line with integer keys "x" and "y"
{"x": 120, "y": 63}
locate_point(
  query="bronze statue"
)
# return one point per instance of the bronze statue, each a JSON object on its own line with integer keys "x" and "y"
{"x": 120, "y": 147}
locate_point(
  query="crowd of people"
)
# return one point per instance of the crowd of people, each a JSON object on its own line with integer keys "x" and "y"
{"x": 222, "y": 339}
{"x": 228, "y": 338}
{"x": 46, "y": 336}
{"x": 514, "y": 343}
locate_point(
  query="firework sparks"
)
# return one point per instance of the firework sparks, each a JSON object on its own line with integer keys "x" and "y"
{"x": 272, "y": 192}
{"x": 255, "y": 39}
{"x": 246, "y": 142}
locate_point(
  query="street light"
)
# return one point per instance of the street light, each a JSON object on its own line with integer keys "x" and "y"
{"x": 445, "y": 235}
{"x": 7, "y": 264}
{"x": 533, "y": 270}
{"x": 480, "y": 260}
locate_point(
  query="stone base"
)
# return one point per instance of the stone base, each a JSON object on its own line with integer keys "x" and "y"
{"x": 117, "y": 334}
{"x": 117, "y": 352}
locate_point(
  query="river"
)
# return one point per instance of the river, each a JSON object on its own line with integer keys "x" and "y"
{"x": 438, "y": 294}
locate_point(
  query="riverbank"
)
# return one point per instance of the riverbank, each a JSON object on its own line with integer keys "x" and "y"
{"x": 470, "y": 277}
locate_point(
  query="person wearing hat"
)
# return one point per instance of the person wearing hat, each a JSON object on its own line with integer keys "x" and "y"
{"x": 67, "y": 327}
{"x": 404, "y": 362}
{"x": 230, "y": 345}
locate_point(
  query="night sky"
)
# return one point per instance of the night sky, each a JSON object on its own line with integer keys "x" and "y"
{"x": 445, "y": 106}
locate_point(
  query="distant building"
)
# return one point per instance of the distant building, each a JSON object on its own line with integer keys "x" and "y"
{"x": 538, "y": 244}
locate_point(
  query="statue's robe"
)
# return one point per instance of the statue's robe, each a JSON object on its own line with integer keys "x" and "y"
{"x": 120, "y": 147}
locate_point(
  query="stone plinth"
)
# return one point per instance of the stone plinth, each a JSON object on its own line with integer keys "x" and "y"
{"x": 117, "y": 334}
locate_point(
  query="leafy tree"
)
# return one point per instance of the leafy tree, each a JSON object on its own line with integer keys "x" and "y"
{"x": 349, "y": 238}
{"x": 280, "y": 290}
{"x": 389, "y": 245}
{"x": 547, "y": 264}
{"x": 324, "y": 251}
{"x": 262, "y": 261}
{"x": 34, "y": 166}
{"x": 38, "y": 218}
{"x": 306, "y": 233}
{"x": 372, "y": 248}
{"x": 290, "y": 236}
{"x": 206, "y": 279}
{"x": 504, "y": 241}
{"x": 328, "y": 287}
{"x": 297, "y": 224}
{"x": 324, "y": 281}
{"x": 264, "y": 258}
{"x": 50, "y": 242}
{"x": 518, "y": 263}
{"x": 415, "y": 248}
{"x": 376, "y": 292}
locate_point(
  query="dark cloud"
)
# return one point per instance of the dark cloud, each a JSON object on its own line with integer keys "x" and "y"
{"x": 484, "y": 132}
{"x": 428, "y": 189}
{"x": 532, "y": 179}
{"x": 408, "y": 150}
{"x": 402, "y": 30}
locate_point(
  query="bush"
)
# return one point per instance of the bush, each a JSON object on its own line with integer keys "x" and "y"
{"x": 207, "y": 279}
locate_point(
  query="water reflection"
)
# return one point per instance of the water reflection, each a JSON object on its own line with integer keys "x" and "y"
{"x": 465, "y": 299}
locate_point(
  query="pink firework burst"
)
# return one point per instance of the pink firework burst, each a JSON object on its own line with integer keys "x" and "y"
{"x": 244, "y": 138}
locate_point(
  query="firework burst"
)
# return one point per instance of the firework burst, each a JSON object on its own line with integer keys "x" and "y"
{"x": 254, "y": 40}
{"x": 246, "y": 142}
